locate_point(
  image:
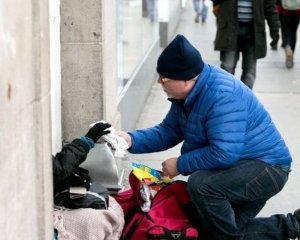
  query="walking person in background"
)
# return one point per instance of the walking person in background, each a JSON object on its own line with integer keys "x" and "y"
{"x": 241, "y": 29}
{"x": 200, "y": 11}
{"x": 289, "y": 20}
{"x": 152, "y": 10}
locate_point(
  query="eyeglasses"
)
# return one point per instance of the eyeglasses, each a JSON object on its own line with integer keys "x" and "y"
{"x": 163, "y": 80}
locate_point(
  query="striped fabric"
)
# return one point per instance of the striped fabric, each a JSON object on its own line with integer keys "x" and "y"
{"x": 245, "y": 10}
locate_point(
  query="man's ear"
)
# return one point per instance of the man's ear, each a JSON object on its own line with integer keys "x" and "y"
{"x": 189, "y": 82}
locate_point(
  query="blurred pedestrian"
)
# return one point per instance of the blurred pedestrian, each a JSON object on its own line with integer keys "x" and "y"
{"x": 200, "y": 10}
{"x": 152, "y": 11}
{"x": 289, "y": 20}
{"x": 241, "y": 29}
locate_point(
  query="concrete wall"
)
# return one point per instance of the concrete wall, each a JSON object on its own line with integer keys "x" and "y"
{"x": 25, "y": 166}
{"x": 88, "y": 53}
{"x": 55, "y": 68}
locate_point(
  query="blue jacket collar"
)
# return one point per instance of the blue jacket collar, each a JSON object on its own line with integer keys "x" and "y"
{"x": 197, "y": 89}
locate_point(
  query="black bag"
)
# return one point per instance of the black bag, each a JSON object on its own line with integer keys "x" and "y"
{"x": 93, "y": 195}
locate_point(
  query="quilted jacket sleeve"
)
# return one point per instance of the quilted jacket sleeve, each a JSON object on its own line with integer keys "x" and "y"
{"x": 70, "y": 157}
{"x": 226, "y": 127}
{"x": 160, "y": 137}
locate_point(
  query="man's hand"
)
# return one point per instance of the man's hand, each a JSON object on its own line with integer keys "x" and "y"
{"x": 216, "y": 10}
{"x": 126, "y": 136}
{"x": 169, "y": 167}
{"x": 98, "y": 130}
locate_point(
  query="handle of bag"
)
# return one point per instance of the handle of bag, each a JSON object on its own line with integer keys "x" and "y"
{"x": 176, "y": 235}
{"x": 172, "y": 235}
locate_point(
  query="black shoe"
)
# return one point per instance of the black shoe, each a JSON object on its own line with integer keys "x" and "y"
{"x": 274, "y": 47}
{"x": 197, "y": 18}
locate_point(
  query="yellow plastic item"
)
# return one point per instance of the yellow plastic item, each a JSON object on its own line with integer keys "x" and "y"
{"x": 141, "y": 174}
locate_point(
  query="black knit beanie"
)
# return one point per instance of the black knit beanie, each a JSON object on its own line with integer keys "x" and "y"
{"x": 180, "y": 60}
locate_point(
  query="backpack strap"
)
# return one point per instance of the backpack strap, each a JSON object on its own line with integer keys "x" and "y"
{"x": 132, "y": 229}
{"x": 158, "y": 232}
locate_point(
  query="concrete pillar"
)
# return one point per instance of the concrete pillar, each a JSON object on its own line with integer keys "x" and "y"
{"x": 89, "y": 65}
{"x": 144, "y": 9}
{"x": 25, "y": 146}
{"x": 169, "y": 12}
{"x": 55, "y": 75}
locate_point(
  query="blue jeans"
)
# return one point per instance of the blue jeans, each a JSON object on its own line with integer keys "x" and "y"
{"x": 245, "y": 45}
{"x": 228, "y": 200}
{"x": 203, "y": 11}
{"x": 152, "y": 11}
{"x": 197, "y": 6}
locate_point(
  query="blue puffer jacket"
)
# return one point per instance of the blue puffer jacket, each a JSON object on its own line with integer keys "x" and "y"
{"x": 220, "y": 122}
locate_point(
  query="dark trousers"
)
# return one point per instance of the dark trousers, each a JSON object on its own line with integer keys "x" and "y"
{"x": 246, "y": 46}
{"x": 228, "y": 200}
{"x": 289, "y": 26}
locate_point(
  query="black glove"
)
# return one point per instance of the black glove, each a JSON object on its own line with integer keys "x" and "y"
{"x": 97, "y": 131}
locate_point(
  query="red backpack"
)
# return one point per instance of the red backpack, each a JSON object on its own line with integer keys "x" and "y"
{"x": 168, "y": 218}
